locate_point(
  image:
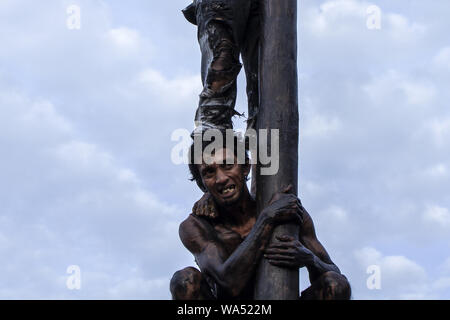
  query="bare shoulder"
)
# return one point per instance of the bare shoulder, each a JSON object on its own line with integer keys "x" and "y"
{"x": 195, "y": 232}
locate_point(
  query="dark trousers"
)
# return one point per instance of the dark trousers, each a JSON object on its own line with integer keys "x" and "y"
{"x": 227, "y": 28}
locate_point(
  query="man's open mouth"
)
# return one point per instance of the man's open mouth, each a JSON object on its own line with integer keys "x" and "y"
{"x": 228, "y": 190}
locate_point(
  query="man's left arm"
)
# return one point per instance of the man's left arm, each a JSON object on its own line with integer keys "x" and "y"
{"x": 321, "y": 261}
{"x": 306, "y": 252}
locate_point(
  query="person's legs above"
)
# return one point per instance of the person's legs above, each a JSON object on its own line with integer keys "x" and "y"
{"x": 217, "y": 21}
{"x": 250, "y": 57}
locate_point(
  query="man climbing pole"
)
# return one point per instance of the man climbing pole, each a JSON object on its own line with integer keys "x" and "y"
{"x": 250, "y": 245}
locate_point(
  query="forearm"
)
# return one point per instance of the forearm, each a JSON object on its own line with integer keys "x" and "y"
{"x": 317, "y": 267}
{"x": 240, "y": 266}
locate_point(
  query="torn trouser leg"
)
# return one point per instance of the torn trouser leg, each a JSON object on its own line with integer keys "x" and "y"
{"x": 220, "y": 65}
{"x": 250, "y": 57}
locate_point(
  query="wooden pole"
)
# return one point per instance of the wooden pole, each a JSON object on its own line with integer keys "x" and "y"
{"x": 278, "y": 110}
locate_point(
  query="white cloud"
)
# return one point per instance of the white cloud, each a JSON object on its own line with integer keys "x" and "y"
{"x": 341, "y": 17}
{"x": 438, "y": 130}
{"x": 445, "y": 267}
{"x": 311, "y": 188}
{"x": 437, "y": 215}
{"x": 125, "y": 38}
{"x": 442, "y": 283}
{"x": 368, "y": 256}
{"x": 175, "y": 91}
{"x": 442, "y": 58}
{"x": 84, "y": 155}
{"x": 316, "y": 122}
{"x": 416, "y": 93}
{"x": 138, "y": 288}
{"x": 91, "y": 204}
{"x": 44, "y": 114}
{"x": 402, "y": 30}
{"x": 20, "y": 113}
{"x": 336, "y": 213}
{"x": 127, "y": 175}
{"x": 401, "y": 266}
{"x": 437, "y": 171}
{"x": 319, "y": 126}
{"x": 401, "y": 278}
{"x": 335, "y": 16}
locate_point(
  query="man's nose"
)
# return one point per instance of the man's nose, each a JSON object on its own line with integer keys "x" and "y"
{"x": 221, "y": 177}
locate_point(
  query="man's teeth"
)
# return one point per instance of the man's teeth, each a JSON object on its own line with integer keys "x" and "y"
{"x": 228, "y": 190}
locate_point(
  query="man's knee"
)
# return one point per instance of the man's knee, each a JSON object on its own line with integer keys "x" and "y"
{"x": 186, "y": 284}
{"x": 335, "y": 286}
{"x": 225, "y": 66}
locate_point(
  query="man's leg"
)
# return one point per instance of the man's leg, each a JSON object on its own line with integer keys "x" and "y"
{"x": 250, "y": 57}
{"x": 189, "y": 284}
{"x": 220, "y": 63}
{"x": 330, "y": 286}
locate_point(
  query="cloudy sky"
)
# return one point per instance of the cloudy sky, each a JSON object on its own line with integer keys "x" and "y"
{"x": 86, "y": 118}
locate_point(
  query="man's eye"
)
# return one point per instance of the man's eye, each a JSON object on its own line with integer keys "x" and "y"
{"x": 209, "y": 171}
{"x": 228, "y": 166}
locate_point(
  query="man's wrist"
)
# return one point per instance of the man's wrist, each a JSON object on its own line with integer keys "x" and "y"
{"x": 266, "y": 218}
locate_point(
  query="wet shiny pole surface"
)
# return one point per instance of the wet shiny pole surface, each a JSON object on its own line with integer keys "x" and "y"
{"x": 278, "y": 110}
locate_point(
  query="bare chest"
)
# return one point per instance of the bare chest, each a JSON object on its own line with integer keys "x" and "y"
{"x": 232, "y": 237}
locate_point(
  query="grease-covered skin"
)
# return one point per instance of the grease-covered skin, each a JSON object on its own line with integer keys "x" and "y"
{"x": 228, "y": 240}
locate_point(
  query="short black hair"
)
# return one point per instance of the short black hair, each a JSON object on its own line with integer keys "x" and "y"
{"x": 238, "y": 144}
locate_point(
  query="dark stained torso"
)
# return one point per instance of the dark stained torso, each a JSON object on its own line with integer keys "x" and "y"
{"x": 214, "y": 239}
{"x": 231, "y": 237}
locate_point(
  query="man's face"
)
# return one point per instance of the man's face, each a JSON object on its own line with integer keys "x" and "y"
{"x": 225, "y": 182}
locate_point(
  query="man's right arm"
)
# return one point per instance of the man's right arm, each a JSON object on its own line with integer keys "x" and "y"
{"x": 232, "y": 272}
